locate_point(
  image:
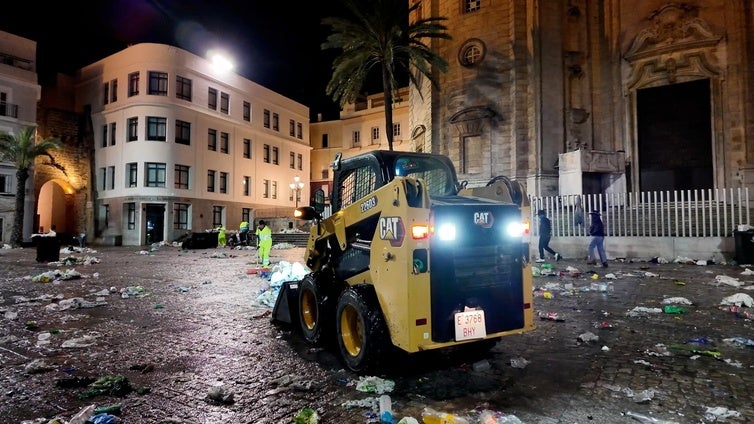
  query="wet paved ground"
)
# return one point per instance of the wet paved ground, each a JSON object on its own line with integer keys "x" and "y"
{"x": 197, "y": 328}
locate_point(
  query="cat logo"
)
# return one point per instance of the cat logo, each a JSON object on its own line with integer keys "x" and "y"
{"x": 391, "y": 229}
{"x": 484, "y": 219}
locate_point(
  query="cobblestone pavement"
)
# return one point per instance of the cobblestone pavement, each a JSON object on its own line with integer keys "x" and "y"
{"x": 197, "y": 328}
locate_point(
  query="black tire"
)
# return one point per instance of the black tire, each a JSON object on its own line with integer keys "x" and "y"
{"x": 313, "y": 307}
{"x": 360, "y": 329}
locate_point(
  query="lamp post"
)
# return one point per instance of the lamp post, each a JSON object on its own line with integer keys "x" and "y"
{"x": 296, "y": 187}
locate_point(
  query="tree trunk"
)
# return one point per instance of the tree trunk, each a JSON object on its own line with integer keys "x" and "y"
{"x": 17, "y": 234}
{"x": 388, "y": 92}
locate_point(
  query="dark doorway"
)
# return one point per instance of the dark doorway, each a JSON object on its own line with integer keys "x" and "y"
{"x": 675, "y": 137}
{"x": 154, "y": 225}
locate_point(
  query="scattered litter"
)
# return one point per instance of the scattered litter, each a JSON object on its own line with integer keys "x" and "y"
{"x": 642, "y": 362}
{"x": 306, "y": 416}
{"x": 747, "y": 271}
{"x": 610, "y": 276}
{"x": 371, "y": 384}
{"x": 220, "y": 394}
{"x": 660, "y": 350}
{"x": 673, "y": 310}
{"x": 492, "y": 417}
{"x": 551, "y": 316}
{"x": 111, "y": 385}
{"x": 85, "y": 341}
{"x": 281, "y": 272}
{"x": 605, "y": 348}
{"x": 739, "y": 341}
{"x": 647, "y": 419}
{"x": 644, "y": 396}
{"x": 738, "y": 299}
{"x": 56, "y": 276}
{"x": 648, "y": 274}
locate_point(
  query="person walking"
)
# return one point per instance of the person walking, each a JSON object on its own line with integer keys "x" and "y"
{"x": 264, "y": 242}
{"x": 221, "y": 238}
{"x": 545, "y": 234}
{"x": 597, "y": 231}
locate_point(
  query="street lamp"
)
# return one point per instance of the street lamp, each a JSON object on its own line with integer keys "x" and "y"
{"x": 296, "y": 187}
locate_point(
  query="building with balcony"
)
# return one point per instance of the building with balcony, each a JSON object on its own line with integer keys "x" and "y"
{"x": 181, "y": 145}
{"x": 19, "y": 94}
{"x": 360, "y": 128}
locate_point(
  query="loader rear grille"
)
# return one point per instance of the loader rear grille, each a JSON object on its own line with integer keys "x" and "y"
{"x": 481, "y": 266}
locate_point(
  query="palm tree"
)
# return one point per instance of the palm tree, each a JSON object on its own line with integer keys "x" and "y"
{"x": 380, "y": 37}
{"x": 21, "y": 149}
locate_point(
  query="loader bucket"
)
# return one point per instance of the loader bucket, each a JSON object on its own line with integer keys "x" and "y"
{"x": 286, "y": 305}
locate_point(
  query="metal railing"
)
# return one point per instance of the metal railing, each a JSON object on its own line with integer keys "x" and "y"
{"x": 680, "y": 213}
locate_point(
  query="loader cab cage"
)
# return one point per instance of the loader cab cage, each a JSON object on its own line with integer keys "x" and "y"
{"x": 357, "y": 177}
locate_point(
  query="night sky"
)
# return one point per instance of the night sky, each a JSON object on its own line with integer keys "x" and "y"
{"x": 275, "y": 43}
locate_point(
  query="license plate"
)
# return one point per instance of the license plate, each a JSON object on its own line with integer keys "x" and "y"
{"x": 470, "y": 325}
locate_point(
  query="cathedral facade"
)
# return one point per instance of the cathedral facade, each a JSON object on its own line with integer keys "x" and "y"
{"x": 592, "y": 96}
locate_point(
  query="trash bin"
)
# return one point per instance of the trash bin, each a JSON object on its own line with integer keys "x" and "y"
{"x": 48, "y": 248}
{"x": 206, "y": 240}
{"x": 744, "y": 246}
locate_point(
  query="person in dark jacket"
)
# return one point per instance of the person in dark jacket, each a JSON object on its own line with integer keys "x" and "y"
{"x": 545, "y": 234}
{"x": 597, "y": 231}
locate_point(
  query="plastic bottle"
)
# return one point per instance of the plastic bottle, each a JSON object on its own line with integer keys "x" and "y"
{"x": 647, "y": 419}
{"x": 386, "y": 410}
{"x": 83, "y": 416}
{"x": 430, "y": 416}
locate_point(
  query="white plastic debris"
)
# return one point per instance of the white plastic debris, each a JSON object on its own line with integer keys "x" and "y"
{"x": 720, "y": 413}
{"x": 588, "y": 337}
{"x": 738, "y": 299}
{"x": 610, "y": 276}
{"x": 519, "y": 362}
{"x": 371, "y": 384}
{"x": 676, "y": 301}
{"x": 640, "y": 311}
{"x": 724, "y": 279}
{"x": 747, "y": 271}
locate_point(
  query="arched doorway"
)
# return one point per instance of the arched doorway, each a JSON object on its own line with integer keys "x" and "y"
{"x": 55, "y": 207}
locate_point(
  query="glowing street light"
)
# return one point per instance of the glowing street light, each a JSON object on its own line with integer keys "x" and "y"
{"x": 296, "y": 187}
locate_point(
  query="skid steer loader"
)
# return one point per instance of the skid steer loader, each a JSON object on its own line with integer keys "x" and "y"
{"x": 411, "y": 259}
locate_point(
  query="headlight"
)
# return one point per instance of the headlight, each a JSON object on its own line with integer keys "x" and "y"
{"x": 446, "y": 231}
{"x": 516, "y": 229}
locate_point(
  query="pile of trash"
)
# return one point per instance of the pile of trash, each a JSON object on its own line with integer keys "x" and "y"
{"x": 280, "y": 273}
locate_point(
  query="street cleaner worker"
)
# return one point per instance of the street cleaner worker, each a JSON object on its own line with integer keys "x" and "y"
{"x": 243, "y": 231}
{"x": 264, "y": 242}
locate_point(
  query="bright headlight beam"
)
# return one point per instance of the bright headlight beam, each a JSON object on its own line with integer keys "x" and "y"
{"x": 515, "y": 229}
{"x": 446, "y": 231}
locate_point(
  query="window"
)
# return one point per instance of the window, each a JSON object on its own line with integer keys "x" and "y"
{"x": 471, "y": 52}
{"x": 275, "y": 156}
{"x": 113, "y": 91}
{"x": 132, "y": 170}
{"x": 471, "y": 5}
{"x": 212, "y": 99}
{"x": 106, "y": 214}
{"x": 104, "y": 136}
{"x": 131, "y": 215}
{"x": 325, "y": 141}
{"x": 180, "y": 216}
{"x": 299, "y": 131}
{"x": 182, "y": 88}
{"x": 245, "y": 214}
{"x": 182, "y": 177}
{"x": 155, "y": 174}
{"x": 274, "y": 189}
{"x": 217, "y": 216}
{"x": 133, "y": 84}
{"x": 5, "y": 184}
{"x": 223, "y": 182}
{"x": 266, "y": 118}
{"x": 292, "y": 129}
{"x": 375, "y": 134}
{"x": 211, "y": 181}
{"x": 224, "y": 103}
{"x": 396, "y": 130}
{"x": 212, "y": 139}
{"x": 110, "y": 177}
{"x": 156, "y": 128}
{"x": 275, "y": 122}
{"x": 266, "y": 157}
{"x": 105, "y": 93}
{"x": 182, "y": 132}
{"x": 355, "y": 184}
{"x": 247, "y": 148}
{"x": 158, "y": 83}
{"x": 246, "y": 186}
{"x": 224, "y": 142}
{"x": 112, "y": 133}
{"x": 247, "y": 111}
{"x": 300, "y": 162}
{"x": 133, "y": 129}
{"x": 293, "y": 160}
{"x": 356, "y": 138}
{"x": 266, "y": 191}
{"x": 103, "y": 179}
